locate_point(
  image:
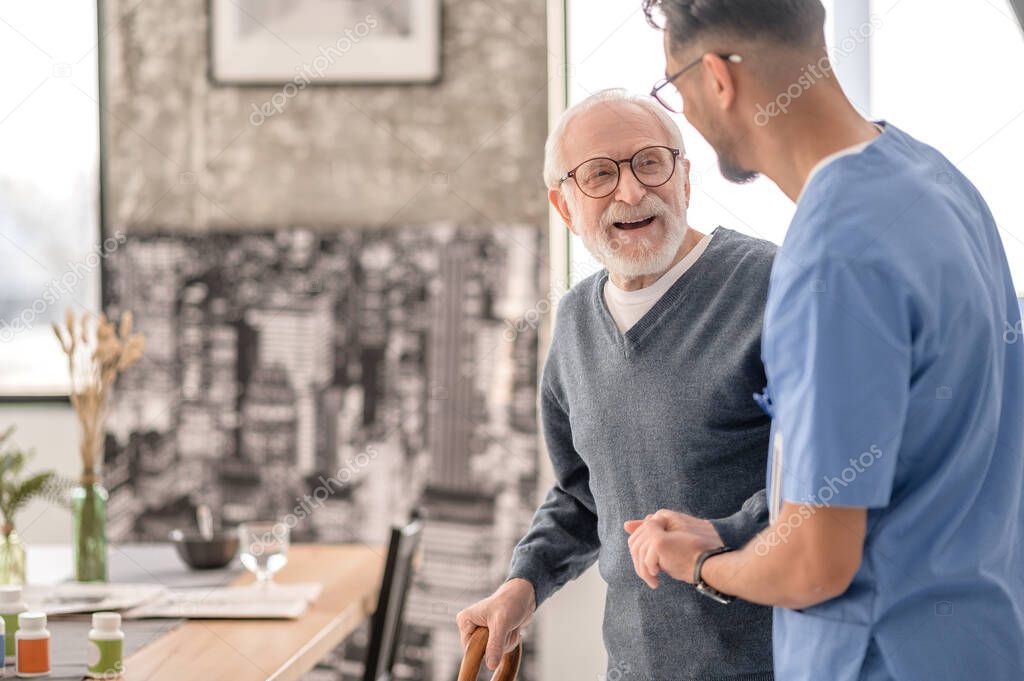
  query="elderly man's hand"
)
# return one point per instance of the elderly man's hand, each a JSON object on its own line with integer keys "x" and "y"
{"x": 505, "y": 613}
{"x": 669, "y": 542}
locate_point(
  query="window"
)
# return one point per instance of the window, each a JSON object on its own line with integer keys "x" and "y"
{"x": 49, "y": 185}
{"x": 948, "y": 72}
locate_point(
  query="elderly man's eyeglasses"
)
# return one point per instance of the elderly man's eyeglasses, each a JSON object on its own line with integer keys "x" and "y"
{"x": 599, "y": 177}
{"x": 669, "y": 96}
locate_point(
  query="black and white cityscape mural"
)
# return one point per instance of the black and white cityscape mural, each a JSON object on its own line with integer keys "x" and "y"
{"x": 402, "y": 362}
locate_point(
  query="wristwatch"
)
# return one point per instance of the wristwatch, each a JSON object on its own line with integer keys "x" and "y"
{"x": 703, "y": 588}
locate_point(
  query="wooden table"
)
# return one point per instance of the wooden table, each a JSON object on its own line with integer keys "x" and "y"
{"x": 244, "y": 650}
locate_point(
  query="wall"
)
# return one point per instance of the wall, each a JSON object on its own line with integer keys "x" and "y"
{"x": 183, "y": 154}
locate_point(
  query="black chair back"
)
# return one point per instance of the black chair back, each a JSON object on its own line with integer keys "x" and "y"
{"x": 386, "y": 625}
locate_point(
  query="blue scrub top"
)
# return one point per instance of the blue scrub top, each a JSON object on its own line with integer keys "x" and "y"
{"x": 894, "y": 352}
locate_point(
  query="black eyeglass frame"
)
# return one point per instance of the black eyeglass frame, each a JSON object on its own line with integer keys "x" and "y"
{"x": 732, "y": 58}
{"x": 618, "y": 177}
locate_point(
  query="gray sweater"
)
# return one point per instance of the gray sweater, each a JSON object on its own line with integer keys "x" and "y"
{"x": 659, "y": 417}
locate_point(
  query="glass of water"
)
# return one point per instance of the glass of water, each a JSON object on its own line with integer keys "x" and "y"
{"x": 264, "y": 548}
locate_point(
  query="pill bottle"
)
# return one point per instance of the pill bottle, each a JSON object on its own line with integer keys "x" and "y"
{"x": 10, "y": 607}
{"x": 33, "y": 645}
{"x": 106, "y": 646}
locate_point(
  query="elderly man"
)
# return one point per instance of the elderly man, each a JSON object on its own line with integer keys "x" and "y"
{"x": 645, "y": 401}
{"x": 896, "y": 549}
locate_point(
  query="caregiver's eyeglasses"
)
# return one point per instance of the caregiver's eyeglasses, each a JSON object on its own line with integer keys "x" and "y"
{"x": 670, "y": 97}
{"x": 599, "y": 177}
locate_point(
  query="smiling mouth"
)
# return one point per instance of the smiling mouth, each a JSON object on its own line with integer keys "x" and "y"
{"x": 634, "y": 225}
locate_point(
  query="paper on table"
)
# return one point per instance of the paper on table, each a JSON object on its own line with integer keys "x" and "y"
{"x": 277, "y": 601}
{"x": 307, "y": 591}
{"x": 75, "y": 597}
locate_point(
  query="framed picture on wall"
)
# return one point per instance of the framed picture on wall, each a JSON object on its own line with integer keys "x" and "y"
{"x": 309, "y": 42}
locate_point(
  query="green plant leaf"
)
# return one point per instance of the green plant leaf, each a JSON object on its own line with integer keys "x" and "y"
{"x": 28, "y": 489}
{"x": 15, "y": 492}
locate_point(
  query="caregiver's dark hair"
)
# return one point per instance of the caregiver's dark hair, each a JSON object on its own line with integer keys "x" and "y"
{"x": 796, "y": 23}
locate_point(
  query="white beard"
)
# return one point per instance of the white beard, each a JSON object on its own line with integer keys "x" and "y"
{"x": 606, "y": 242}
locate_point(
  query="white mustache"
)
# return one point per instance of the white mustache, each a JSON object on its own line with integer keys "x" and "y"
{"x": 649, "y": 206}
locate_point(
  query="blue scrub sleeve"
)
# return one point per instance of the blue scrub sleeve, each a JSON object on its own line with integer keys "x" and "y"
{"x": 838, "y": 356}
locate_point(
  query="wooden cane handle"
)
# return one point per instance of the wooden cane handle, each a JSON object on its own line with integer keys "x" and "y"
{"x": 474, "y": 657}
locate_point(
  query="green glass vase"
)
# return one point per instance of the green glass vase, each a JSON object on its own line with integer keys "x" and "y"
{"x": 12, "y": 558}
{"x": 89, "y": 532}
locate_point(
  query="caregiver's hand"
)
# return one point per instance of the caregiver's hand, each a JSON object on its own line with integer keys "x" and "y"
{"x": 669, "y": 542}
{"x": 504, "y": 613}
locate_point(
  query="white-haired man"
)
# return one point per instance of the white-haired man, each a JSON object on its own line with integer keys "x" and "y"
{"x": 646, "y": 401}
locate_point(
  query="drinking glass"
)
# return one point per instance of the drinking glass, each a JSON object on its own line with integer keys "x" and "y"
{"x": 264, "y": 548}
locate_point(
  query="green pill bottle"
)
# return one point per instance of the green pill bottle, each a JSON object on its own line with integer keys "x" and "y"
{"x": 106, "y": 646}
{"x": 10, "y": 606}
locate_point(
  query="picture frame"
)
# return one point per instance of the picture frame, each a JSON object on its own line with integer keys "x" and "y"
{"x": 324, "y": 42}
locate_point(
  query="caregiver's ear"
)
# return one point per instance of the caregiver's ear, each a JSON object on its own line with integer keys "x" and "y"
{"x": 720, "y": 81}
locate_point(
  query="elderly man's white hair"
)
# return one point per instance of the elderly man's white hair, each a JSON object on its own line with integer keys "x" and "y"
{"x": 554, "y": 161}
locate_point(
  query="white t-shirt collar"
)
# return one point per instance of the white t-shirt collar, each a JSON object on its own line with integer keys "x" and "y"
{"x": 629, "y": 307}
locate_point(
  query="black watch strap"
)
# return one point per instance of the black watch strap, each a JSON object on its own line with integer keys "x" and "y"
{"x": 703, "y": 588}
